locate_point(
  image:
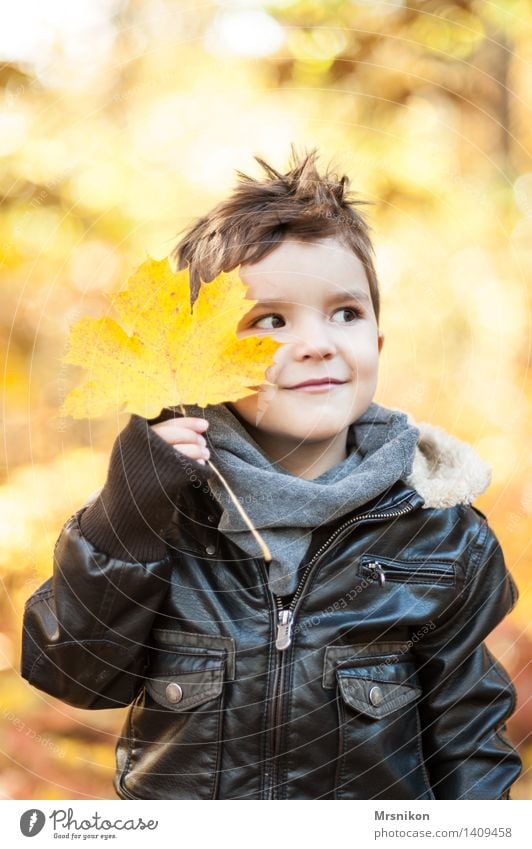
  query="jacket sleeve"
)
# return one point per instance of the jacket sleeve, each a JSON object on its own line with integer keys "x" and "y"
{"x": 467, "y": 693}
{"x": 86, "y": 630}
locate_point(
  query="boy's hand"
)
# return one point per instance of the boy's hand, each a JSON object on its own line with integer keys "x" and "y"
{"x": 185, "y": 434}
{"x": 129, "y": 518}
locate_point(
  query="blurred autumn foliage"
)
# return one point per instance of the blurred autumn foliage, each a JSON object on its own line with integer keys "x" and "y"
{"x": 120, "y": 120}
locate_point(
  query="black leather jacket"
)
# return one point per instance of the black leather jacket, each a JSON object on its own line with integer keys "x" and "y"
{"x": 380, "y": 685}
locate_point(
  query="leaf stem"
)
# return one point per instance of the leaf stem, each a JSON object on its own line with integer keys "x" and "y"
{"x": 262, "y": 544}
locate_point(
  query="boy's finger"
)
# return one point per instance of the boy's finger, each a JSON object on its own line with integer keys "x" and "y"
{"x": 194, "y": 421}
{"x": 195, "y": 452}
{"x": 176, "y": 433}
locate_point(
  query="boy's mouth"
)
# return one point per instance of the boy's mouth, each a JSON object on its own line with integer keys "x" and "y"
{"x": 324, "y": 382}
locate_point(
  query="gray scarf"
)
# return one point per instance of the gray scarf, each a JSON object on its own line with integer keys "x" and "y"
{"x": 285, "y": 508}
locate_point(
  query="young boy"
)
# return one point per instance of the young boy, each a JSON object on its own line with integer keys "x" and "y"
{"x": 353, "y": 665}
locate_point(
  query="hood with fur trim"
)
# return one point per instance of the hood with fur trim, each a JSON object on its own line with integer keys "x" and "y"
{"x": 446, "y": 471}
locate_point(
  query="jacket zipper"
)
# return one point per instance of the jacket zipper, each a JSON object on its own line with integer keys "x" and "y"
{"x": 383, "y": 569}
{"x": 375, "y": 568}
{"x": 285, "y": 622}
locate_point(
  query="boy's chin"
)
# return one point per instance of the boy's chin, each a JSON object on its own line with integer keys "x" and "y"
{"x": 302, "y": 429}
{"x": 306, "y": 420}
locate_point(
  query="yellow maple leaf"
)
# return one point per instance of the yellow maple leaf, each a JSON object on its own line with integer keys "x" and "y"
{"x": 168, "y": 355}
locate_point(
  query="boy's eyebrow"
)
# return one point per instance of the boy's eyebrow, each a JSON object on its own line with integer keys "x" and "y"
{"x": 357, "y": 294}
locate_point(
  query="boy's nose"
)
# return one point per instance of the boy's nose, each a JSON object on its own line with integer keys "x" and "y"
{"x": 313, "y": 344}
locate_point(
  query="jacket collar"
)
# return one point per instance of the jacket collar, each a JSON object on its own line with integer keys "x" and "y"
{"x": 446, "y": 471}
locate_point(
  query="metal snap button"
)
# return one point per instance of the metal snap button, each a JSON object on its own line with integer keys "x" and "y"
{"x": 210, "y": 549}
{"x": 174, "y": 693}
{"x": 376, "y": 696}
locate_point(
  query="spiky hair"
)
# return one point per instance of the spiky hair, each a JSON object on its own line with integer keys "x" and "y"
{"x": 259, "y": 214}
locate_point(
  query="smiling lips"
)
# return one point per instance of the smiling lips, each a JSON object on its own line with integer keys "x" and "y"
{"x": 323, "y": 385}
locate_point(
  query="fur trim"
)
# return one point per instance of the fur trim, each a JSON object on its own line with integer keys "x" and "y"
{"x": 446, "y": 471}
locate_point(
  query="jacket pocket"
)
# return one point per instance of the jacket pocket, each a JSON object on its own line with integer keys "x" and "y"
{"x": 421, "y": 571}
{"x": 171, "y": 747}
{"x": 181, "y": 690}
{"x": 380, "y": 754}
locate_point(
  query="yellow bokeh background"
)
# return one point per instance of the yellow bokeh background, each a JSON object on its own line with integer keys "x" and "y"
{"x": 121, "y": 120}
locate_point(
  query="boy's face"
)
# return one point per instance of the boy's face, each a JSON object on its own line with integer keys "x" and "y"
{"x": 320, "y": 308}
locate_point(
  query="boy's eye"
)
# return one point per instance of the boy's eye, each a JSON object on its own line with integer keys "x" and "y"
{"x": 352, "y": 312}
{"x": 274, "y": 316}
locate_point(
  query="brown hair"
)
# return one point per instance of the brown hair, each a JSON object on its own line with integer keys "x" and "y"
{"x": 258, "y": 215}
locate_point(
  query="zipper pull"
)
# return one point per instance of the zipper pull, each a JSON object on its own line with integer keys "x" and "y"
{"x": 377, "y": 569}
{"x": 284, "y": 629}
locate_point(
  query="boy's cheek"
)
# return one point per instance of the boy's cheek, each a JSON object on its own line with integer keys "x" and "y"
{"x": 281, "y": 363}
{"x": 272, "y": 373}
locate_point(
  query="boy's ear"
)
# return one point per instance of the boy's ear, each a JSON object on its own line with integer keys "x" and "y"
{"x": 381, "y": 341}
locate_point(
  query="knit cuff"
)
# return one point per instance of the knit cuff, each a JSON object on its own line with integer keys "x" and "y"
{"x": 132, "y": 512}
